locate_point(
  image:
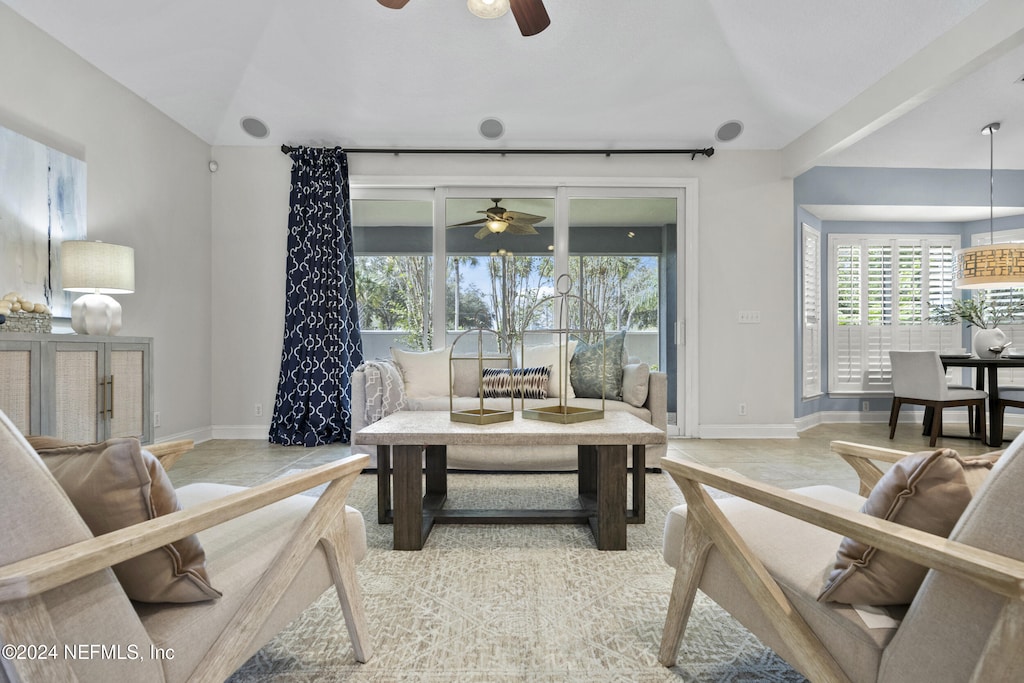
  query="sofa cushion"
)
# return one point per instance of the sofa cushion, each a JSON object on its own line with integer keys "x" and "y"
{"x": 550, "y": 354}
{"x": 518, "y": 382}
{"x": 635, "y": 381}
{"x": 425, "y": 372}
{"x": 596, "y": 369}
{"x": 115, "y": 484}
{"x": 926, "y": 491}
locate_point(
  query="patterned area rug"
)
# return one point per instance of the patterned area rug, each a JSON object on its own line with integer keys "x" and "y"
{"x": 497, "y": 604}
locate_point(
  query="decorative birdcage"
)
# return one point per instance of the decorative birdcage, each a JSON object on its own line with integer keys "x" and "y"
{"x": 567, "y": 312}
{"x": 469, "y": 369}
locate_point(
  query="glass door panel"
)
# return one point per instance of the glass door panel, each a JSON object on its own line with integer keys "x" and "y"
{"x": 622, "y": 260}
{"x": 393, "y": 246}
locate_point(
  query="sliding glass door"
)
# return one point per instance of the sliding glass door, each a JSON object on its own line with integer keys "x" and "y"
{"x": 433, "y": 262}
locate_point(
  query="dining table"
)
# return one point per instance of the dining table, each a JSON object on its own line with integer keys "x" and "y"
{"x": 986, "y": 378}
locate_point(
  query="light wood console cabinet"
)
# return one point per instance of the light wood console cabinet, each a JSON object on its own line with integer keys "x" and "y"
{"x": 77, "y": 387}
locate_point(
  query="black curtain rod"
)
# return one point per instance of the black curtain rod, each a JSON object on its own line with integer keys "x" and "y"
{"x": 707, "y": 151}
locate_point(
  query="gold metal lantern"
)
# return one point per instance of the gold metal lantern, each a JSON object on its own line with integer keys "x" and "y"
{"x": 466, "y": 376}
{"x": 569, "y": 313}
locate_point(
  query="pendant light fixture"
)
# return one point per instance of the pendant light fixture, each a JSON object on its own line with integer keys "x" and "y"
{"x": 990, "y": 266}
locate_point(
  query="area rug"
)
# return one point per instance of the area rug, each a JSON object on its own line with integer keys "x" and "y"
{"x": 501, "y": 603}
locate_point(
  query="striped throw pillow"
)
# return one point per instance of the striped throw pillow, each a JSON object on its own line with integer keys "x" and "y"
{"x": 520, "y": 382}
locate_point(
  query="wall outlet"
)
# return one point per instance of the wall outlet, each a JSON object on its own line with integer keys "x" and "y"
{"x": 258, "y": 409}
{"x": 156, "y": 418}
{"x": 743, "y": 409}
{"x": 865, "y": 406}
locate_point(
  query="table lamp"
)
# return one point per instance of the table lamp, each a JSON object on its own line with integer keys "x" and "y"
{"x": 99, "y": 269}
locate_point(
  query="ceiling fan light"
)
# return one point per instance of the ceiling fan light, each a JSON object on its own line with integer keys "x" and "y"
{"x": 488, "y": 9}
{"x": 497, "y": 226}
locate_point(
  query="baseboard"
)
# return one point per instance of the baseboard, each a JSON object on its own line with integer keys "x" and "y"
{"x": 763, "y": 431}
{"x": 197, "y": 435}
{"x": 845, "y": 417}
{"x": 258, "y": 432}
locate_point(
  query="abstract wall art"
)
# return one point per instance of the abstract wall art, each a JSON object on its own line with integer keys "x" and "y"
{"x": 42, "y": 203}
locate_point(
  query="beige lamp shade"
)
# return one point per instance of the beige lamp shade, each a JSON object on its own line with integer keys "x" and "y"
{"x": 97, "y": 267}
{"x": 990, "y": 266}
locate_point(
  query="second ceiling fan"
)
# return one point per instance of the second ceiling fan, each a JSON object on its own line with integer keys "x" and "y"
{"x": 499, "y": 219}
{"x": 531, "y": 15}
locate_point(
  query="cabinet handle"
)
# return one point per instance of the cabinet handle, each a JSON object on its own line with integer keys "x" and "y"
{"x": 110, "y": 411}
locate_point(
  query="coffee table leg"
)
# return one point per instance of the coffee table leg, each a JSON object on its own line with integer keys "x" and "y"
{"x": 383, "y": 484}
{"x": 610, "y": 529}
{"x": 408, "y": 512}
{"x": 437, "y": 471}
{"x": 639, "y": 511}
{"x": 586, "y": 463}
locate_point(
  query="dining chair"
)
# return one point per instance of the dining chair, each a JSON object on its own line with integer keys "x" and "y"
{"x": 1010, "y": 396}
{"x": 918, "y": 378}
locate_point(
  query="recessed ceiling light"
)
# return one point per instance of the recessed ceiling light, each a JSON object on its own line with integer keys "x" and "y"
{"x": 254, "y": 127}
{"x": 728, "y": 131}
{"x": 492, "y": 128}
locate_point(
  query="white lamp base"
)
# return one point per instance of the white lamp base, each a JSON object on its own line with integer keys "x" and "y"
{"x": 96, "y": 314}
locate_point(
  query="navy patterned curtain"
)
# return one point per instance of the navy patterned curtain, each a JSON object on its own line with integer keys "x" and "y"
{"x": 322, "y": 345}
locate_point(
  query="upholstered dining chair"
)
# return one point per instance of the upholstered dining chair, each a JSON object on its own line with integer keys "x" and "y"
{"x": 918, "y": 378}
{"x": 269, "y": 553}
{"x": 1010, "y": 396}
{"x": 763, "y": 554}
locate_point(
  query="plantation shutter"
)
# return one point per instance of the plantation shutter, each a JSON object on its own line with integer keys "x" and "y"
{"x": 811, "y": 317}
{"x": 883, "y": 290}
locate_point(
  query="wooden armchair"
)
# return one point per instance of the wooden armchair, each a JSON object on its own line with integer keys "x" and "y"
{"x": 271, "y": 552}
{"x": 763, "y": 555}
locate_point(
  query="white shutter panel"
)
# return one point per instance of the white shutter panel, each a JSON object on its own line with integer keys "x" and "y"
{"x": 811, "y": 300}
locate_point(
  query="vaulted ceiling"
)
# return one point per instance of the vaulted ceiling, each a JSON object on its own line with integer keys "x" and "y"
{"x": 903, "y": 83}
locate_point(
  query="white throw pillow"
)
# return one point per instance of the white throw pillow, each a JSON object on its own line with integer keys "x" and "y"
{"x": 425, "y": 372}
{"x": 635, "y": 380}
{"x": 548, "y": 354}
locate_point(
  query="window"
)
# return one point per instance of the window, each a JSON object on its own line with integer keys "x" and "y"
{"x": 883, "y": 289}
{"x": 810, "y": 316}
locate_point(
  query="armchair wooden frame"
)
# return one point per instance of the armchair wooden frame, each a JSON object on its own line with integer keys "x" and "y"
{"x": 24, "y": 618}
{"x": 707, "y": 526}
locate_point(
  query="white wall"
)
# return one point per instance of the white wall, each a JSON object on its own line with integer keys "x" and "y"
{"x": 745, "y": 262}
{"x": 148, "y": 188}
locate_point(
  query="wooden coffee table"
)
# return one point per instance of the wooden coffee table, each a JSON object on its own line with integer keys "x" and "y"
{"x": 602, "y": 445}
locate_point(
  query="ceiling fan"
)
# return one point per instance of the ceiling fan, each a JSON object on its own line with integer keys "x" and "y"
{"x": 498, "y": 219}
{"x": 531, "y": 15}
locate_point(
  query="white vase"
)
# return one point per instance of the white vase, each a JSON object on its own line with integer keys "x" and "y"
{"x": 984, "y": 339}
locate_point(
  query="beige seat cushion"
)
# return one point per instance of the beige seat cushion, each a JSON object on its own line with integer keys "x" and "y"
{"x": 238, "y": 552}
{"x": 794, "y": 553}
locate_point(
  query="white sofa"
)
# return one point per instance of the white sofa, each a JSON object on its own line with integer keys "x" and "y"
{"x": 653, "y": 410}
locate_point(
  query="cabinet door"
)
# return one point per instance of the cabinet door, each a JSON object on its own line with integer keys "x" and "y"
{"x": 19, "y": 385}
{"x": 80, "y": 392}
{"x": 128, "y": 390}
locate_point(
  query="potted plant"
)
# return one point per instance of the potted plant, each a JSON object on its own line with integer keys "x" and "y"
{"x": 985, "y": 314}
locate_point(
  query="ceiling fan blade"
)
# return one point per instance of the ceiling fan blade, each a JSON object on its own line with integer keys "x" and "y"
{"x": 394, "y": 4}
{"x": 479, "y": 221}
{"x": 521, "y": 229}
{"x": 520, "y": 216}
{"x": 530, "y": 15}
{"x": 482, "y": 233}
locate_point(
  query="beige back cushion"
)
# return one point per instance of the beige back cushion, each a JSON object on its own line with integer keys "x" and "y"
{"x": 946, "y": 628}
{"x": 926, "y": 491}
{"x": 38, "y": 517}
{"x": 116, "y": 484}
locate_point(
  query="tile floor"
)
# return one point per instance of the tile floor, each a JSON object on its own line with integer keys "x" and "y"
{"x": 784, "y": 462}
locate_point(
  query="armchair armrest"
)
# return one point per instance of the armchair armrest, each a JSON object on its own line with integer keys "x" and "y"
{"x": 990, "y": 570}
{"x": 859, "y": 457}
{"x": 35, "y": 575}
{"x": 168, "y": 452}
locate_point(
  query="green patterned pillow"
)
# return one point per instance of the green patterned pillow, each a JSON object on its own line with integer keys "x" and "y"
{"x": 585, "y": 369}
